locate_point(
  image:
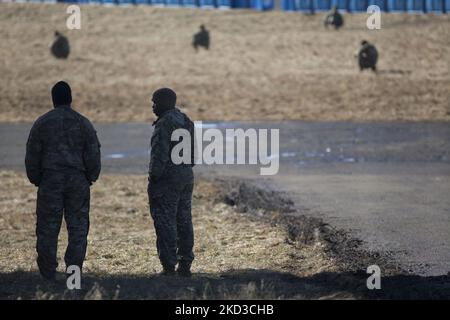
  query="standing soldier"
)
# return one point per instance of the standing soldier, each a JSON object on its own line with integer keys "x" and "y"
{"x": 63, "y": 160}
{"x": 201, "y": 39}
{"x": 367, "y": 56}
{"x": 334, "y": 18}
{"x": 60, "y": 47}
{"x": 170, "y": 187}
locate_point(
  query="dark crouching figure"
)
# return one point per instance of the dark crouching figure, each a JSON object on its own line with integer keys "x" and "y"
{"x": 201, "y": 39}
{"x": 334, "y": 18}
{"x": 63, "y": 160}
{"x": 60, "y": 47}
{"x": 170, "y": 187}
{"x": 367, "y": 56}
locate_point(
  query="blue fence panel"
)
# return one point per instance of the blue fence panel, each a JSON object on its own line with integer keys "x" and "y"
{"x": 255, "y": 4}
{"x": 287, "y": 5}
{"x": 207, "y": 3}
{"x": 158, "y": 2}
{"x": 259, "y": 4}
{"x": 240, "y": 4}
{"x": 435, "y": 6}
{"x": 358, "y": 5}
{"x": 416, "y": 5}
{"x": 383, "y": 4}
{"x": 224, "y": 3}
{"x": 267, "y": 4}
{"x": 322, "y": 5}
{"x": 397, "y": 5}
{"x": 301, "y": 5}
{"x": 189, "y": 3}
{"x": 340, "y": 4}
{"x": 432, "y": 6}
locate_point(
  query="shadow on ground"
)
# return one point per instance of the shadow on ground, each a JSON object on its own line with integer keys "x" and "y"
{"x": 238, "y": 284}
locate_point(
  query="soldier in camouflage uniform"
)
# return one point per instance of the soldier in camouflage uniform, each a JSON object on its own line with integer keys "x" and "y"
{"x": 201, "y": 39}
{"x": 367, "y": 56}
{"x": 170, "y": 187}
{"x": 334, "y": 18}
{"x": 63, "y": 160}
{"x": 60, "y": 47}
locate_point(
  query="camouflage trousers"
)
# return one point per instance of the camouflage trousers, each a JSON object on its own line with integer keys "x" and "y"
{"x": 68, "y": 195}
{"x": 170, "y": 208}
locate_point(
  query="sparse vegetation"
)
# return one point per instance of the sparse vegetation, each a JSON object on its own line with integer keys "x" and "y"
{"x": 257, "y": 254}
{"x": 261, "y": 65}
{"x": 122, "y": 242}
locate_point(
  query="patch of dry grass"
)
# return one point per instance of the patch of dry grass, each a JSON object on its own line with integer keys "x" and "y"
{"x": 262, "y": 65}
{"x": 122, "y": 237}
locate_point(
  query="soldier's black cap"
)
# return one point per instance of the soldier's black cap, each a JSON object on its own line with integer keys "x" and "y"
{"x": 165, "y": 97}
{"x": 61, "y": 94}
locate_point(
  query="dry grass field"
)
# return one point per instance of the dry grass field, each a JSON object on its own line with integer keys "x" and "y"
{"x": 239, "y": 255}
{"x": 122, "y": 243}
{"x": 261, "y": 66}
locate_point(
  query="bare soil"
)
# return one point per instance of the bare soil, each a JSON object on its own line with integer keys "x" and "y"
{"x": 261, "y": 65}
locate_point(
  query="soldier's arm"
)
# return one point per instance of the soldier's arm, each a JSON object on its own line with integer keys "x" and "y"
{"x": 33, "y": 156}
{"x": 91, "y": 154}
{"x": 160, "y": 149}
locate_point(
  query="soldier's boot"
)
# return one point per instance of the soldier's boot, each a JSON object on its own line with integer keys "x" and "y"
{"x": 184, "y": 270}
{"x": 168, "y": 272}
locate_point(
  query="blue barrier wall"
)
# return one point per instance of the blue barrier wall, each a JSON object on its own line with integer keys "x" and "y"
{"x": 413, "y": 6}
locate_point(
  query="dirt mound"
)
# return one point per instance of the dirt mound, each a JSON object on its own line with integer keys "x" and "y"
{"x": 248, "y": 196}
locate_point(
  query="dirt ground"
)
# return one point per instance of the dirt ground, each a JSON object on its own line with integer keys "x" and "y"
{"x": 261, "y": 66}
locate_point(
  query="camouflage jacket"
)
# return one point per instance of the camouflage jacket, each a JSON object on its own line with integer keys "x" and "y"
{"x": 369, "y": 53}
{"x": 62, "y": 140}
{"x": 161, "y": 164}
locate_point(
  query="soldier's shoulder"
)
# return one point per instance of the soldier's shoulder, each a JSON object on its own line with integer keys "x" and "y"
{"x": 178, "y": 116}
{"x": 84, "y": 120}
{"x": 168, "y": 120}
{"x": 45, "y": 118}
